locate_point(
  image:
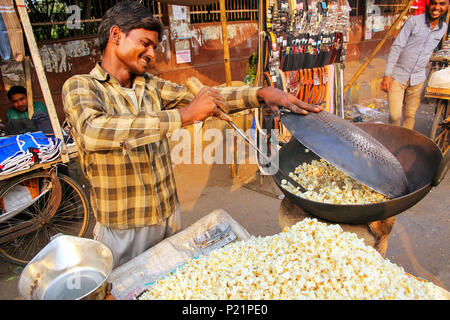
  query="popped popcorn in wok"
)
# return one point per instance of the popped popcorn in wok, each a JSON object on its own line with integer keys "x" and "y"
{"x": 309, "y": 260}
{"x": 325, "y": 183}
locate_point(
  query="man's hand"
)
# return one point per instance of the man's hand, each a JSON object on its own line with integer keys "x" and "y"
{"x": 275, "y": 98}
{"x": 386, "y": 84}
{"x": 204, "y": 105}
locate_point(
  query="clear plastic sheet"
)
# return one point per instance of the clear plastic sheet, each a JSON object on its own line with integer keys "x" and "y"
{"x": 137, "y": 275}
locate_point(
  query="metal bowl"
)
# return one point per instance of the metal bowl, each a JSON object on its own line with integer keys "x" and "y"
{"x": 68, "y": 268}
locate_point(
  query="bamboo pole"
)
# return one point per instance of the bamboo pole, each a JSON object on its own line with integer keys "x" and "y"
{"x": 29, "y": 87}
{"x": 378, "y": 47}
{"x": 22, "y": 9}
{"x": 226, "y": 51}
{"x": 447, "y": 20}
{"x": 259, "y": 72}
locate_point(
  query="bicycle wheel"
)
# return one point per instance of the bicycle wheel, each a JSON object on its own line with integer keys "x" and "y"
{"x": 440, "y": 127}
{"x": 70, "y": 218}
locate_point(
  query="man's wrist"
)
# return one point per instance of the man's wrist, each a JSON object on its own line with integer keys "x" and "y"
{"x": 186, "y": 117}
{"x": 260, "y": 94}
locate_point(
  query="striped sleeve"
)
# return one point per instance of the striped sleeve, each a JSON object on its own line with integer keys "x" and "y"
{"x": 237, "y": 98}
{"x": 98, "y": 130}
{"x": 240, "y": 98}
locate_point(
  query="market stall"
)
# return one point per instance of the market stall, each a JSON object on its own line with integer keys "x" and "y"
{"x": 216, "y": 258}
{"x": 304, "y": 49}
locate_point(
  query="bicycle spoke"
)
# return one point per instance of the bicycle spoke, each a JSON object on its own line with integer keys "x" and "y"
{"x": 71, "y": 216}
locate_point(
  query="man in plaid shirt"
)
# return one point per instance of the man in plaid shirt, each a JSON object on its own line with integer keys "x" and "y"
{"x": 120, "y": 117}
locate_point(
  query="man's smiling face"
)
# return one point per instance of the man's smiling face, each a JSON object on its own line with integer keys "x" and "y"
{"x": 437, "y": 8}
{"x": 137, "y": 49}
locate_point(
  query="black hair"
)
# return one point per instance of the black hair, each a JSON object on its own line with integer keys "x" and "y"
{"x": 127, "y": 16}
{"x": 15, "y": 90}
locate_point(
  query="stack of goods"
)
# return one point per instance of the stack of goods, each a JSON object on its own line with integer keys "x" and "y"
{"x": 444, "y": 52}
{"x": 305, "y": 41}
{"x": 21, "y": 152}
{"x": 310, "y": 260}
{"x": 325, "y": 183}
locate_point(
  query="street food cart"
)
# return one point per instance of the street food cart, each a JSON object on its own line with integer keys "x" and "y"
{"x": 216, "y": 258}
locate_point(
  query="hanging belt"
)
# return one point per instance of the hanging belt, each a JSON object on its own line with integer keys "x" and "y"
{"x": 322, "y": 86}
{"x": 309, "y": 82}
{"x": 302, "y": 86}
{"x": 267, "y": 78}
{"x": 266, "y": 53}
{"x": 318, "y": 83}
{"x": 295, "y": 82}
{"x": 325, "y": 84}
{"x": 319, "y": 86}
{"x": 284, "y": 82}
{"x": 315, "y": 88}
{"x": 280, "y": 82}
{"x": 323, "y": 95}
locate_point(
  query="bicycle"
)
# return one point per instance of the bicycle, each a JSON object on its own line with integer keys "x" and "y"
{"x": 441, "y": 126}
{"x": 441, "y": 123}
{"x": 55, "y": 203}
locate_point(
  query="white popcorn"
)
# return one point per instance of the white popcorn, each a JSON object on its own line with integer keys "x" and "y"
{"x": 324, "y": 183}
{"x": 310, "y": 260}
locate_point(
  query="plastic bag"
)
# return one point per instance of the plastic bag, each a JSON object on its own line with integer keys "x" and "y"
{"x": 131, "y": 278}
{"x": 440, "y": 79}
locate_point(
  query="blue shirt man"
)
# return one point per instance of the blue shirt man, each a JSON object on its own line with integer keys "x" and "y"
{"x": 404, "y": 75}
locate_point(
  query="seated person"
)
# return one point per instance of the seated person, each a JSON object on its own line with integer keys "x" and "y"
{"x": 18, "y": 96}
{"x": 17, "y": 117}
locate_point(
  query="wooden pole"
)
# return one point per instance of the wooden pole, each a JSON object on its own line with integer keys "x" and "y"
{"x": 447, "y": 20}
{"x": 378, "y": 47}
{"x": 261, "y": 13}
{"x": 22, "y": 9}
{"x": 29, "y": 87}
{"x": 226, "y": 51}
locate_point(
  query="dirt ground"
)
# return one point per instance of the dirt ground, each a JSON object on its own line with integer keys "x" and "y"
{"x": 419, "y": 241}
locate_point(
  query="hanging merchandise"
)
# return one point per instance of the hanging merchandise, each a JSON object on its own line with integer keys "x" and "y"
{"x": 5, "y": 46}
{"x": 303, "y": 39}
{"x": 303, "y": 51}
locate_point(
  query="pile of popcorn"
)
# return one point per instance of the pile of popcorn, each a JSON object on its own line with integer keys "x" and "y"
{"x": 324, "y": 183}
{"x": 310, "y": 260}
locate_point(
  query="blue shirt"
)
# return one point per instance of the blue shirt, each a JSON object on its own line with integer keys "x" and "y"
{"x": 412, "y": 49}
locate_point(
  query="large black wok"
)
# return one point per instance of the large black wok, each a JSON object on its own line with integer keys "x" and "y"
{"x": 420, "y": 158}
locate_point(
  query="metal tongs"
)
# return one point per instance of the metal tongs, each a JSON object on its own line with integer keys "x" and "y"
{"x": 194, "y": 85}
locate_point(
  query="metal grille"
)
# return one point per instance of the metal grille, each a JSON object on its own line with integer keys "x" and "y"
{"x": 236, "y": 10}
{"x": 387, "y": 7}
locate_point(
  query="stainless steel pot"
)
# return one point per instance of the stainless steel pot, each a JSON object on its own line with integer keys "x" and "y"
{"x": 68, "y": 268}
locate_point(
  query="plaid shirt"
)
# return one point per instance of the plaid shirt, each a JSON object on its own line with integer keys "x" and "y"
{"x": 125, "y": 154}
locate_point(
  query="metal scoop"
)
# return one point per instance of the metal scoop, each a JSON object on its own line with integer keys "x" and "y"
{"x": 194, "y": 85}
{"x": 349, "y": 149}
